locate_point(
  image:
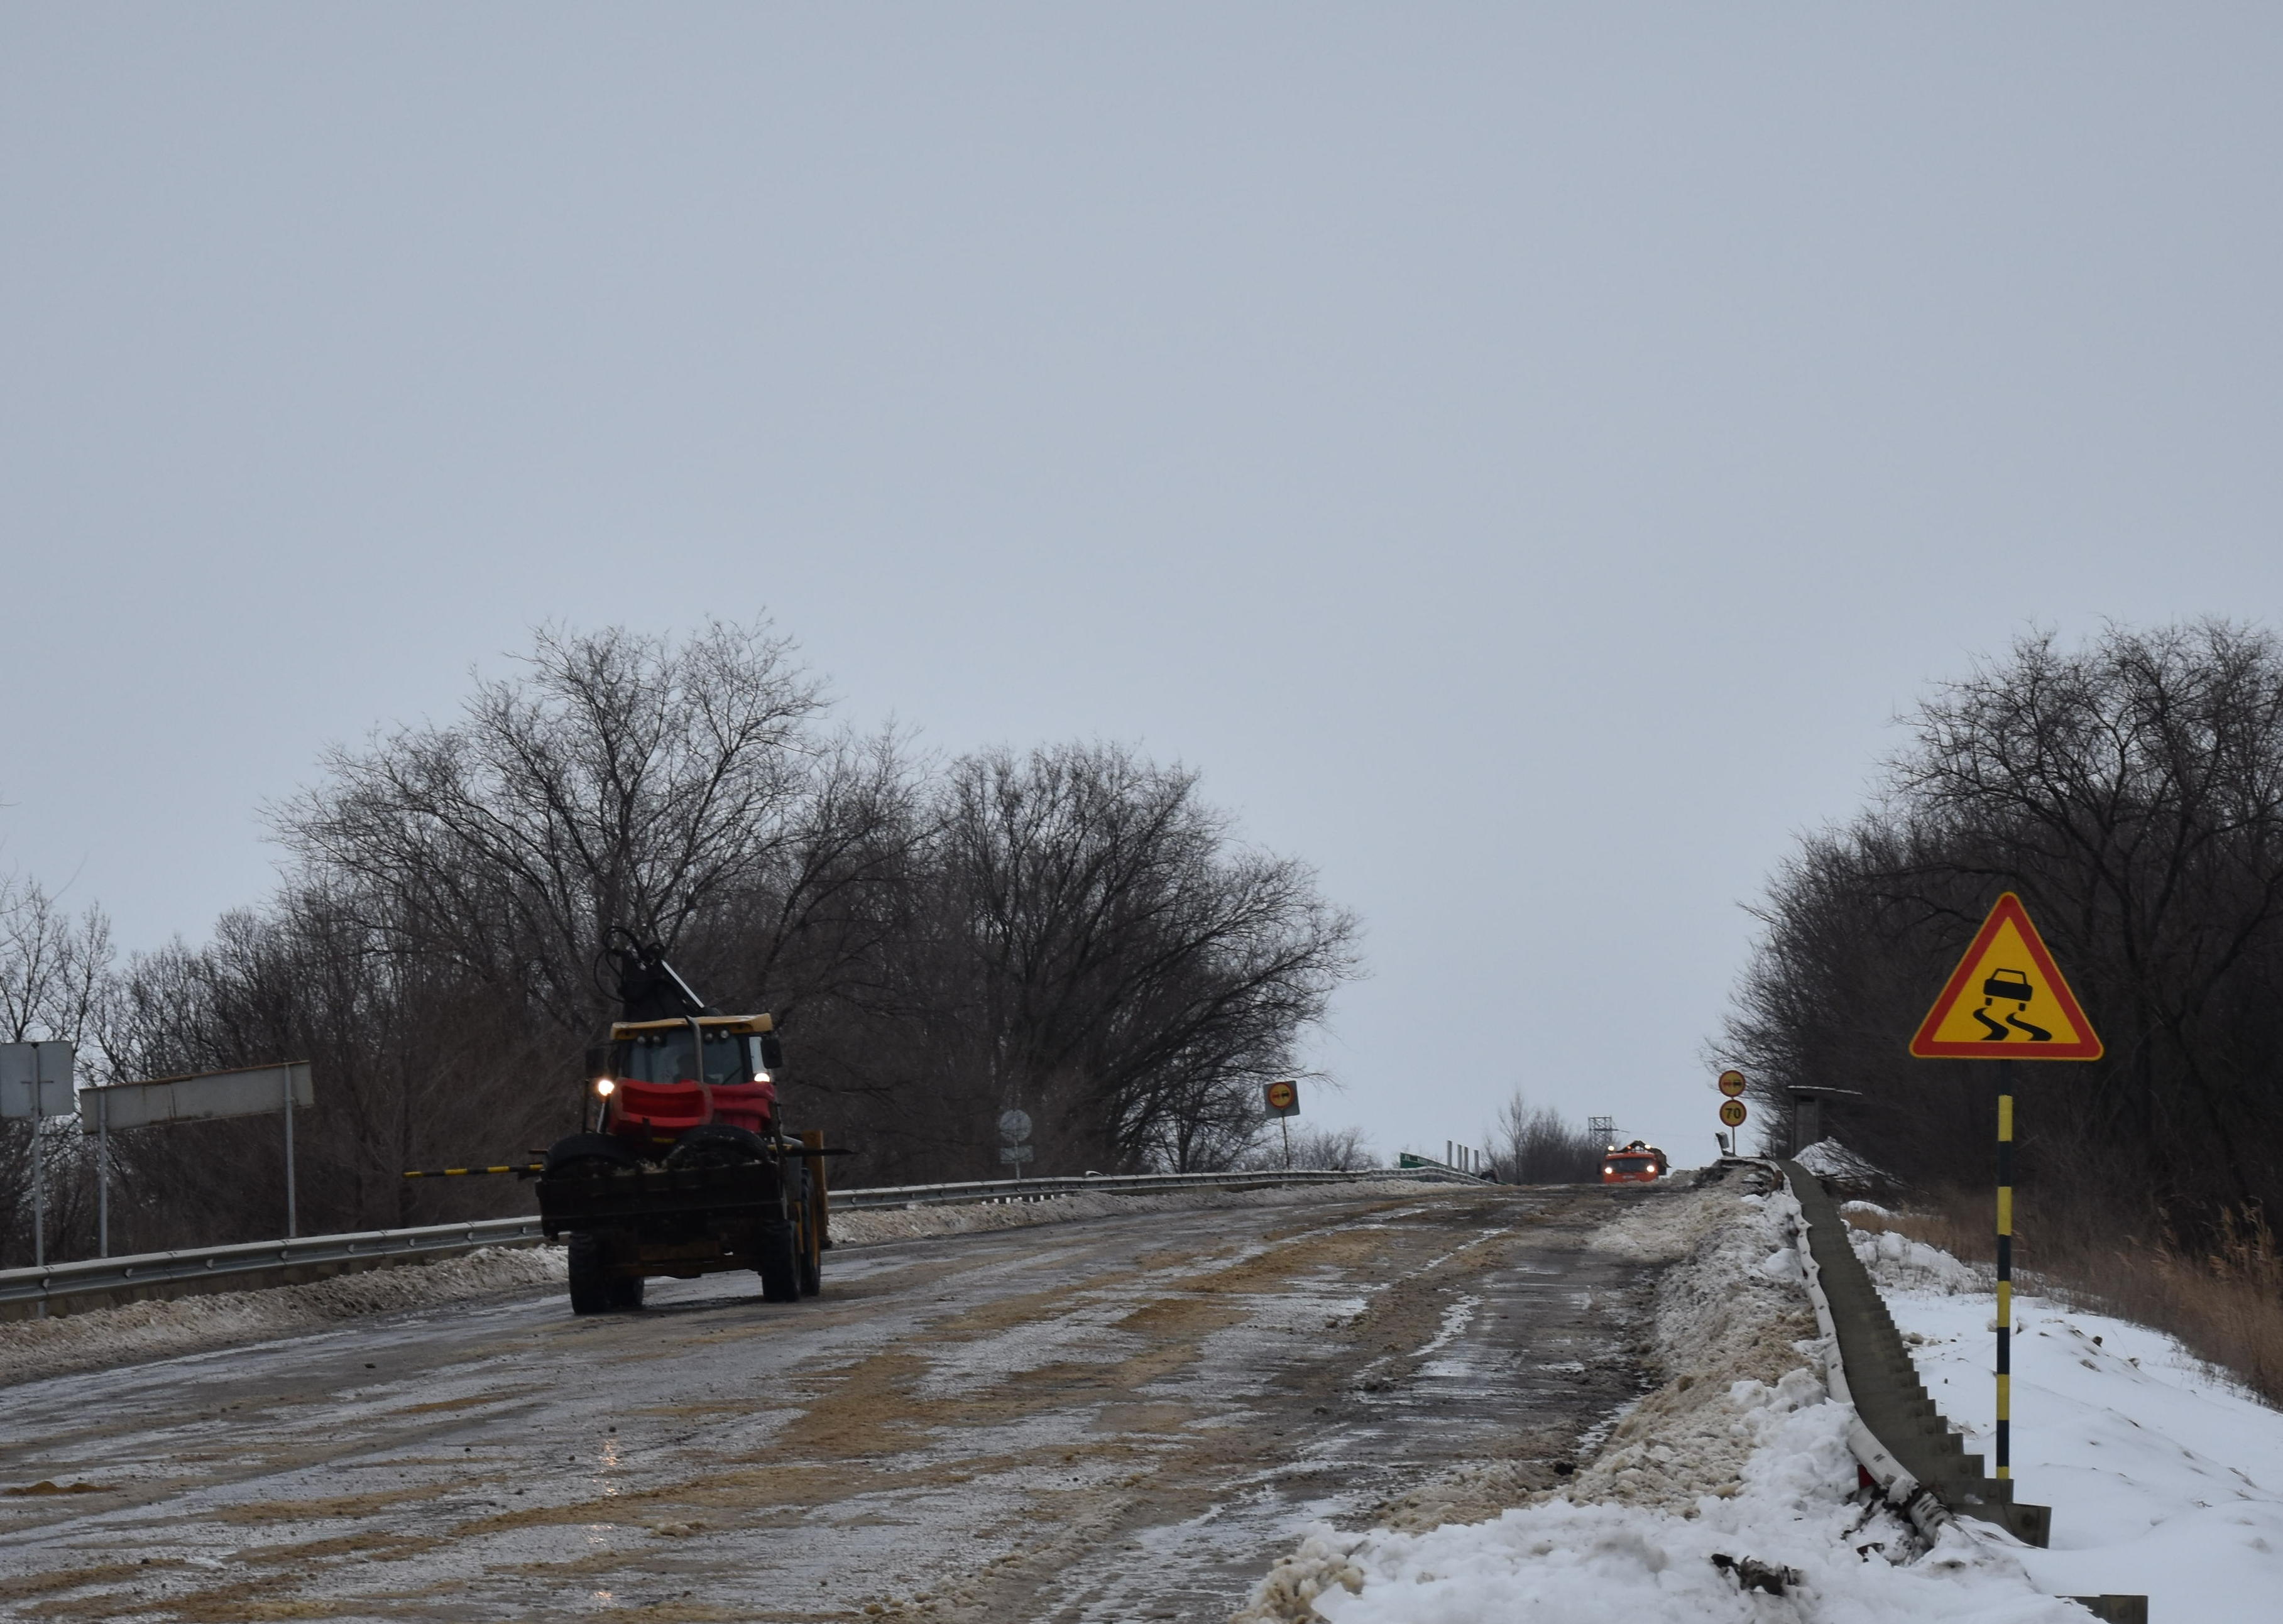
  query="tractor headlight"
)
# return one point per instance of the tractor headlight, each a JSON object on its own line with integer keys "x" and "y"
{"x": 760, "y": 1077}
{"x": 606, "y": 1087}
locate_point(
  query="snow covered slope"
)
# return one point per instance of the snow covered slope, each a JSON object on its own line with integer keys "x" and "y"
{"x": 1715, "y": 1463}
{"x": 2165, "y": 1479}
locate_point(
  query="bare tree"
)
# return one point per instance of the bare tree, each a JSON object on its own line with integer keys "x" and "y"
{"x": 53, "y": 970}
{"x": 2133, "y": 792}
{"x": 1122, "y": 966}
{"x": 622, "y": 781}
{"x": 1536, "y": 1146}
{"x": 1072, "y": 930}
{"x": 1340, "y": 1150}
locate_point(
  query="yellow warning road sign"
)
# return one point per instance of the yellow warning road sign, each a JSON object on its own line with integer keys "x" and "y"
{"x": 1732, "y": 1112}
{"x": 2007, "y": 1000}
{"x": 1732, "y": 1084}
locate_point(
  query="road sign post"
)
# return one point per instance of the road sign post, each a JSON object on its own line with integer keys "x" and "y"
{"x": 1014, "y": 1140}
{"x": 1732, "y": 1085}
{"x": 2007, "y": 1000}
{"x": 1283, "y": 1101}
{"x": 254, "y": 1092}
{"x": 35, "y": 1083}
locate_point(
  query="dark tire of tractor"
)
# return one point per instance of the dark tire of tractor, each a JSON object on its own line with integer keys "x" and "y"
{"x": 812, "y": 1269}
{"x": 590, "y": 1287}
{"x": 589, "y": 1156}
{"x": 778, "y": 1266}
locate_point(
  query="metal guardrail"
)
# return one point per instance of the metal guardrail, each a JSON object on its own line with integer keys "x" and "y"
{"x": 128, "y": 1274}
{"x": 133, "y": 1275}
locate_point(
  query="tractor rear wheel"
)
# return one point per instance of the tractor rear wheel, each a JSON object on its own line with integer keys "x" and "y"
{"x": 590, "y": 1287}
{"x": 777, "y": 1264}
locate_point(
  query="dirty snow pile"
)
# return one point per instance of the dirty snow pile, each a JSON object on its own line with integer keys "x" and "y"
{"x": 1897, "y": 1263}
{"x": 37, "y": 1347}
{"x": 1732, "y": 1319}
{"x": 1741, "y": 1455}
{"x": 1829, "y": 1158}
{"x": 871, "y": 1226}
{"x": 2166, "y": 1478}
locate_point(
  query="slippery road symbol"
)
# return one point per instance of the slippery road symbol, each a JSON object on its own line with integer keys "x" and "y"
{"x": 2007, "y": 999}
{"x": 2013, "y": 984}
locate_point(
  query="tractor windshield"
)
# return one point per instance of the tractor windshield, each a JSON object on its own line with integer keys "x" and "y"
{"x": 664, "y": 1057}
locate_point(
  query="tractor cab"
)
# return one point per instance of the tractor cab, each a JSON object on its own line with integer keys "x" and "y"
{"x": 1639, "y": 1163}
{"x": 663, "y": 1077}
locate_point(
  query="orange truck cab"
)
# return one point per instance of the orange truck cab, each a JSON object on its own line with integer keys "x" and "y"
{"x": 1637, "y": 1163}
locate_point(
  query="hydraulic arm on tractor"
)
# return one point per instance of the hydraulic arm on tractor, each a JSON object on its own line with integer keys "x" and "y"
{"x": 684, "y": 1168}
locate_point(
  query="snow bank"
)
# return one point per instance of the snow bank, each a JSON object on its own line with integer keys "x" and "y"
{"x": 872, "y": 1226}
{"x": 1731, "y": 1316}
{"x": 1897, "y": 1263}
{"x": 2165, "y": 1477}
{"x": 138, "y": 1331}
{"x": 1740, "y": 1453}
{"x": 1562, "y": 1561}
{"x": 1829, "y": 1158}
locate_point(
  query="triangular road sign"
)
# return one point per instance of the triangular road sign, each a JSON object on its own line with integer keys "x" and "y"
{"x": 2007, "y": 1000}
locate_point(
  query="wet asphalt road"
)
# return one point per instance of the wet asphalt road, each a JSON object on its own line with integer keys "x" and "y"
{"x": 1116, "y": 1419}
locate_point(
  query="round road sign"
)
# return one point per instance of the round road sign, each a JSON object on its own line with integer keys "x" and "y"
{"x": 1282, "y": 1096}
{"x": 1732, "y": 1084}
{"x": 1014, "y": 1126}
{"x": 1732, "y": 1112}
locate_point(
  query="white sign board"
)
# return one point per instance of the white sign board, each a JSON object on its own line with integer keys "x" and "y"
{"x": 1014, "y": 1127}
{"x": 1015, "y": 1152}
{"x": 25, "y": 1067}
{"x": 251, "y": 1092}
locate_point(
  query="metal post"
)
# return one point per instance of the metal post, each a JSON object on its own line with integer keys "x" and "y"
{"x": 1285, "y": 1122}
{"x": 102, "y": 1174}
{"x": 2003, "y": 1452}
{"x": 39, "y": 1175}
{"x": 290, "y": 1230}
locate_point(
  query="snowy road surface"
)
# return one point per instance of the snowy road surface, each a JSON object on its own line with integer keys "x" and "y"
{"x": 1117, "y": 1419}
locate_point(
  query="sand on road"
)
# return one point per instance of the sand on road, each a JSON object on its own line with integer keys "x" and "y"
{"x": 1120, "y": 1418}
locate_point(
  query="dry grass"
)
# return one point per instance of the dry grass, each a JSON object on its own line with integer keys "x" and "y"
{"x": 2223, "y": 1302}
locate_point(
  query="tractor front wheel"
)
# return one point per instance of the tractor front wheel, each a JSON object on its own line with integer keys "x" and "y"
{"x": 590, "y": 1287}
{"x": 778, "y": 1262}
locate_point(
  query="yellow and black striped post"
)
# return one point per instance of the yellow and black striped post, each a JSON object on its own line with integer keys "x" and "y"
{"x": 2003, "y": 1455}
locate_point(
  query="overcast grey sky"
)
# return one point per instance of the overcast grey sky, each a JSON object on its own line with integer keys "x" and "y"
{"x": 1523, "y": 455}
